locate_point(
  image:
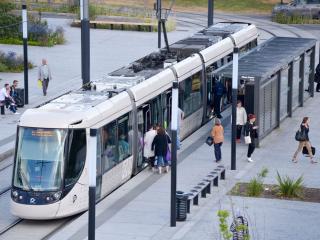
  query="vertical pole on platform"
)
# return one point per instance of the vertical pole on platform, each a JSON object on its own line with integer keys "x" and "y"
{"x": 159, "y": 22}
{"x": 92, "y": 183}
{"x": 174, "y": 131}
{"x": 85, "y": 41}
{"x": 234, "y": 106}
{"x": 210, "y": 12}
{"x": 25, "y": 52}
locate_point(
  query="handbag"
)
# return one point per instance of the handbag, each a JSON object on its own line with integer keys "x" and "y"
{"x": 300, "y": 136}
{"x": 247, "y": 139}
{"x": 209, "y": 141}
{"x": 305, "y": 151}
{"x": 39, "y": 83}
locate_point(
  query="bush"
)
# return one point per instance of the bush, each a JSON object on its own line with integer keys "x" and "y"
{"x": 11, "y": 62}
{"x": 255, "y": 186}
{"x": 38, "y": 31}
{"x": 289, "y": 187}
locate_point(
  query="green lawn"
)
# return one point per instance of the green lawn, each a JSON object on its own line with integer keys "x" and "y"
{"x": 230, "y": 5}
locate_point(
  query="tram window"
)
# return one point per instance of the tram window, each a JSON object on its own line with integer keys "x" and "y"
{"x": 191, "y": 94}
{"x": 77, "y": 155}
{"x": 123, "y": 138}
{"x": 109, "y": 145}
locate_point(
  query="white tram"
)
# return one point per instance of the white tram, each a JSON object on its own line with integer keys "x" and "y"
{"x": 50, "y": 176}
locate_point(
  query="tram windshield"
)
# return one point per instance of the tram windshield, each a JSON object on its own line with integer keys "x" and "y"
{"x": 39, "y": 159}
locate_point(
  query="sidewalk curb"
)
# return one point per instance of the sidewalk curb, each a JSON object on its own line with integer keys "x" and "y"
{"x": 6, "y": 150}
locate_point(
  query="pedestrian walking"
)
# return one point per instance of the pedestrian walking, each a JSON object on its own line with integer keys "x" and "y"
{"x": 241, "y": 119}
{"x": 160, "y": 145}
{"x": 317, "y": 77}
{"x": 250, "y": 130}
{"x": 218, "y": 138}
{"x": 44, "y": 75}
{"x": 14, "y": 94}
{"x": 304, "y": 140}
{"x": 148, "y": 153}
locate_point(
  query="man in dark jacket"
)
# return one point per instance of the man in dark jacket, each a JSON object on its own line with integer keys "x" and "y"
{"x": 317, "y": 78}
{"x": 160, "y": 147}
{"x": 218, "y": 91}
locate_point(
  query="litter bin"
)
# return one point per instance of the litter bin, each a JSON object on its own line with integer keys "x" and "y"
{"x": 19, "y": 99}
{"x": 181, "y": 206}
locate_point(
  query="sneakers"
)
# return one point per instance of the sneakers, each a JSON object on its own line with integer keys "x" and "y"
{"x": 249, "y": 159}
{"x": 16, "y": 113}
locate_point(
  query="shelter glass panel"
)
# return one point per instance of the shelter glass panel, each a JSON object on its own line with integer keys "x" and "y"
{"x": 274, "y": 101}
{"x": 284, "y": 88}
{"x": 295, "y": 84}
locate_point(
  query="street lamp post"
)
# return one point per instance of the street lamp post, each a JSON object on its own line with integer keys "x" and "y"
{"x": 159, "y": 22}
{"x": 85, "y": 41}
{"x": 92, "y": 183}
{"x": 174, "y": 129}
{"x": 234, "y": 106}
{"x": 25, "y": 52}
{"x": 210, "y": 12}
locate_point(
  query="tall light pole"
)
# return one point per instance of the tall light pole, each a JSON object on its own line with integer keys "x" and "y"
{"x": 25, "y": 52}
{"x": 159, "y": 22}
{"x": 234, "y": 106}
{"x": 210, "y": 12}
{"x": 92, "y": 149}
{"x": 174, "y": 129}
{"x": 85, "y": 41}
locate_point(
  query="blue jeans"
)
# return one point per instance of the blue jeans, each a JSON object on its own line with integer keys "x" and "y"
{"x": 160, "y": 161}
{"x": 217, "y": 151}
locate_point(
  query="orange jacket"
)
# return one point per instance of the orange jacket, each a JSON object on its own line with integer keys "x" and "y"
{"x": 217, "y": 134}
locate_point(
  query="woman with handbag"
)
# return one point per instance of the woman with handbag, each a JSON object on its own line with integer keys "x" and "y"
{"x": 304, "y": 140}
{"x": 250, "y": 134}
{"x": 160, "y": 146}
{"x": 217, "y": 135}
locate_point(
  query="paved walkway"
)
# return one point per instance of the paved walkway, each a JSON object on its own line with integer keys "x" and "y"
{"x": 140, "y": 208}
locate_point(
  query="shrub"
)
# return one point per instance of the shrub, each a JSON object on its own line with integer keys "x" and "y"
{"x": 11, "y": 62}
{"x": 38, "y": 31}
{"x": 223, "y": 224}
{"x": 255, "y": 186}
{"x": 289, "y": 187}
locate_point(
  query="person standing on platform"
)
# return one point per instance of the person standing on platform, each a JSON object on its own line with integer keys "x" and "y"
{"x": 148, "y": 152}
{"x": 180, "y": 119}
{"x": 250, "y": 129}
{"x": 317, "y": 78}
{"x": 160, "y": 145}
{"x": 241, "y": 119}
{"x": 218, "y": 138}
{"x": 44, "y": 75}
{"x": 219, "y": 90}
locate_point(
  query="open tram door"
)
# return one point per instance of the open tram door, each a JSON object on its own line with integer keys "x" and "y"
{"x": 144, "y": 123}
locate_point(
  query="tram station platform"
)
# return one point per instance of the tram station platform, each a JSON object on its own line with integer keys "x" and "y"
{"x": 140, "y": 209}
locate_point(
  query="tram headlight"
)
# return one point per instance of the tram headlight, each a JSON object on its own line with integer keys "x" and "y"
{"x": 15, "y": 194}
{"x": 57, "y": 195}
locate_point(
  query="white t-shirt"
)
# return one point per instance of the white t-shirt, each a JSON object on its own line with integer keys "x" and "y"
{"x": 3, "y": 94}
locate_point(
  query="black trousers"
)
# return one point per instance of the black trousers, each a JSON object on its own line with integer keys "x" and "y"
{"x": 239, "y": 130}
{"x": 217, "y": 102}
{"x": 251, "y": 148}
{"x": 45, "y": 84}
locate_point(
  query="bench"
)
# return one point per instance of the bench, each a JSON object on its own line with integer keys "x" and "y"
{"x": 95, "y": 23}
{"x": 204, "y": 187}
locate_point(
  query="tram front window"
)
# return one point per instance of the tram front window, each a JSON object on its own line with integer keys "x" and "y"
{"x": 39, "y": 159}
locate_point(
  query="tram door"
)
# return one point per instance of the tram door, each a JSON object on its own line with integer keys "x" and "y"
{"x": 209, "y": 105}
{"x": 144, "y": 122}
{"x": 166, "y": 101}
